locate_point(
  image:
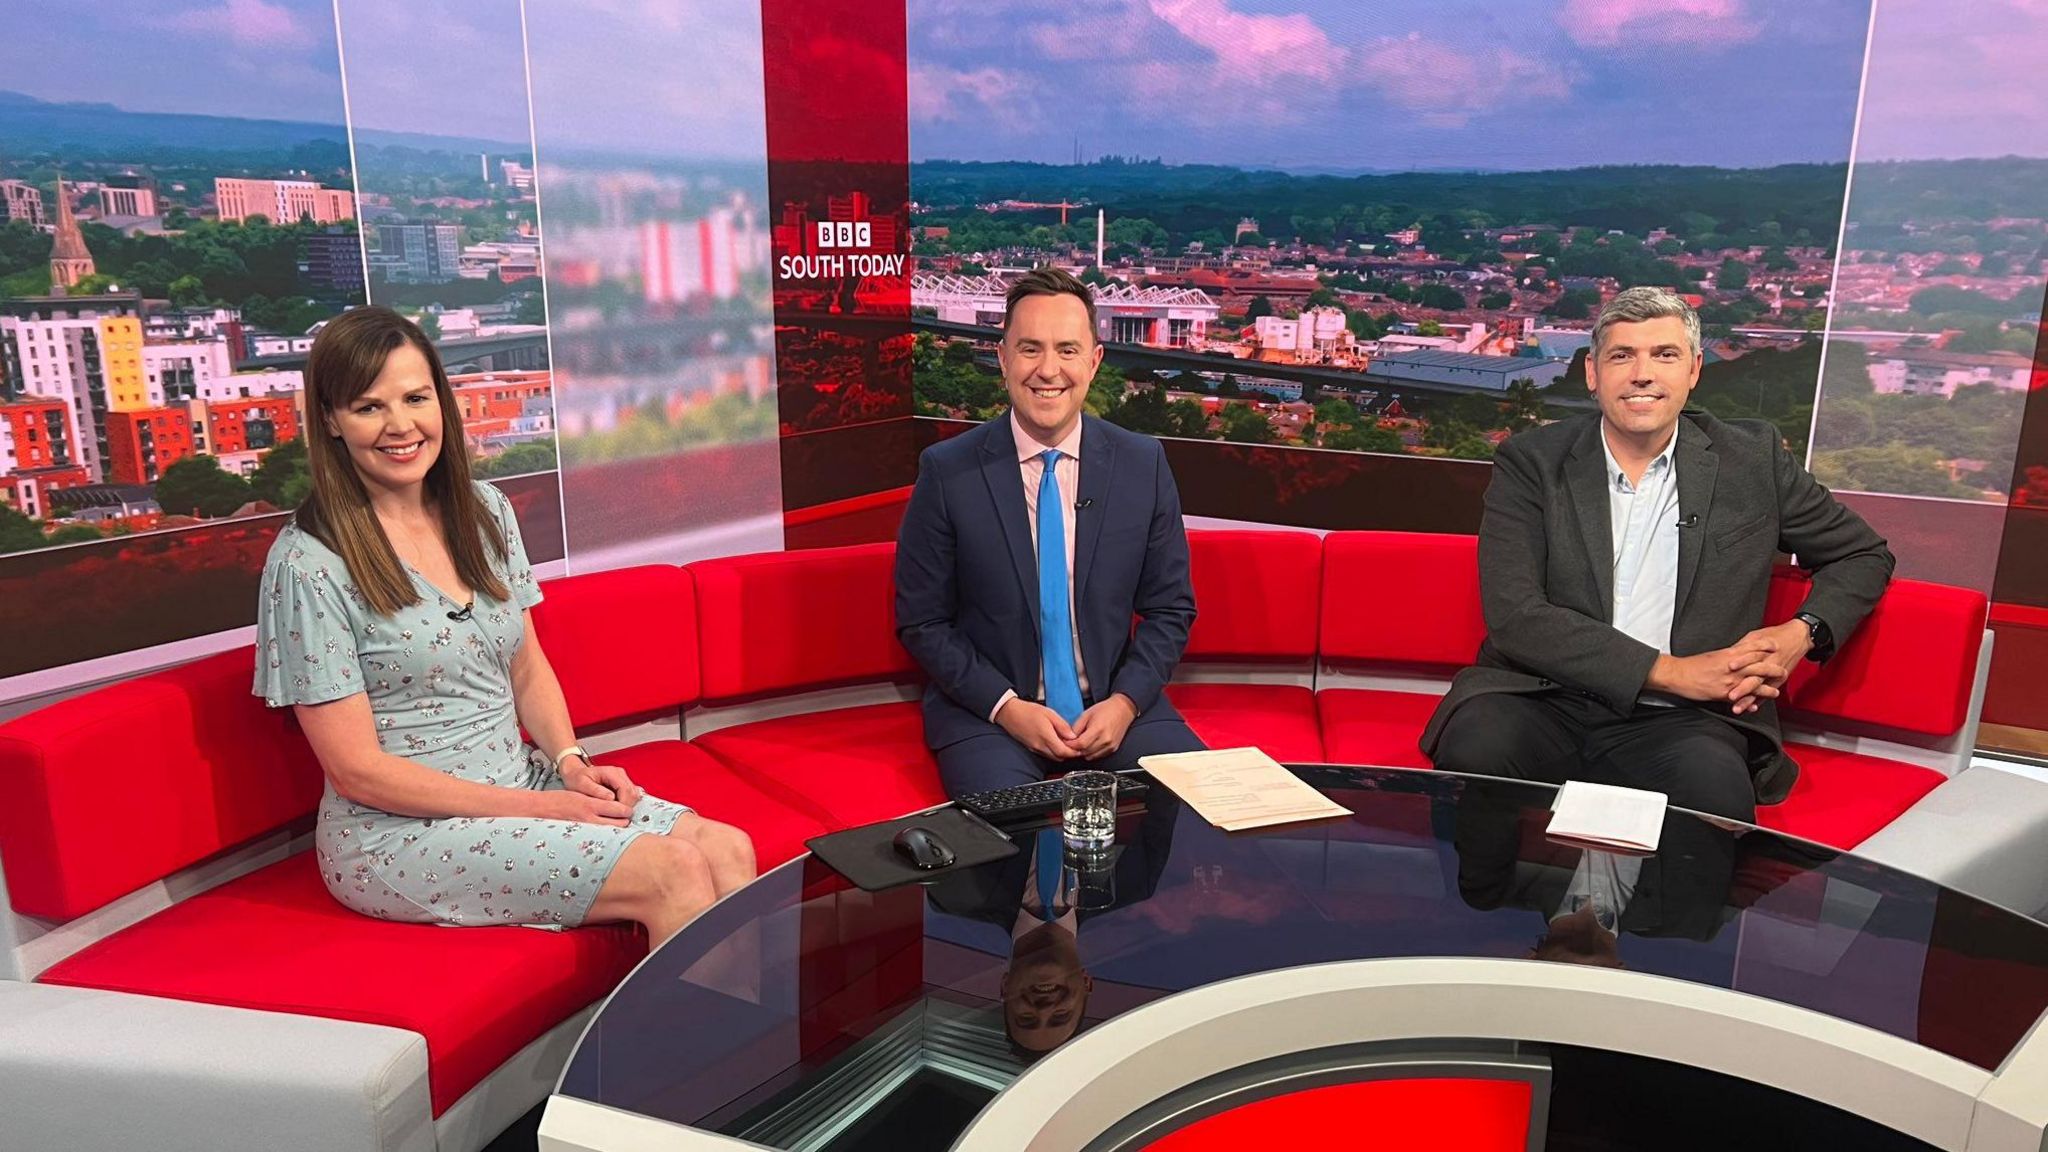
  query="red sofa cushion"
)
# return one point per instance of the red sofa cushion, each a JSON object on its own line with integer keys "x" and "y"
{"x": 274, "y": 940}
{"x": 120, "y": 787}
{"x": 689, "y": 775}
{"x": 1841, "y": 798}
{"x": 1911, "y": 665}
{"x": 623, "y": 643}
{"x": 1374, "y": 726}
{"x": 845, "y": 766}
{"x": 1279, "y": 718}
{"x": 1401, "y": 598}
{"x": 789, "y": 621}
{"x": 1256, "y": 595}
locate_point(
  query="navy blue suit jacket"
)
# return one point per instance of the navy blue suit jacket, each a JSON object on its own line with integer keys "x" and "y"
{"x": 967, "y": 576}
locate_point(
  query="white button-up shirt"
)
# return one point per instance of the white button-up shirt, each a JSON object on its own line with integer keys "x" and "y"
{"x": 1644, "y": 519}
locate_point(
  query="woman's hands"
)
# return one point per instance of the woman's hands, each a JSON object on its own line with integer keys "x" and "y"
{"x": 594, "y": 793}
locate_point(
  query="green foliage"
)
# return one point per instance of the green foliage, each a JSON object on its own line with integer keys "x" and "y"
{"x": 732, "y": 418}
{"x": 1892, "y": 468}
{"x": 1946, "y": 298}
{"x": 1259, "y": 306}
{"x": 1371, "y": 438}
{"x": 283, "y": 478}
{"x": 1733, "y": 276}
{"x": 1577, "y": 304}
{"x": 1364, "y": 326}
{"x": 946, "y": 380}
{"x": 197, "y": 485}
{"x": 1768, "y": 384}
{"x": 1244, "y": 424}
{"x": 74, "y": 534}
{"x": 518, "y": 460}
{"x": 18, "y": 533}
{"x": 1429, "y": 328}
{"x": 1525, "y": 404}
{"x": 1440, "y": 296}
{"x": 1496, "y": 301}
{"x": 229, "y": 261}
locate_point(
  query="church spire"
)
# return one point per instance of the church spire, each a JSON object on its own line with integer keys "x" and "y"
{"x": 70, "y": 262}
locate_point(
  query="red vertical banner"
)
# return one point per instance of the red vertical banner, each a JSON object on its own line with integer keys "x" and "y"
{"x": 839, "y": 192}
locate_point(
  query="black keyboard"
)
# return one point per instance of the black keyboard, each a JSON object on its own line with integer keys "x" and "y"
{"x": 1041, "y": 798}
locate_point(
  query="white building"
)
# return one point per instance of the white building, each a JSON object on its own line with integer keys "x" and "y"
{"x": 685, "y": 259}
{"x": 1158, "y": 317}
{"x": 1931, "y": 373}
{"x": 272, "y": 344}
{"x": 1318, "y": 336}
{"x": 181, "y": 370}
{"x": 79, "y": 351}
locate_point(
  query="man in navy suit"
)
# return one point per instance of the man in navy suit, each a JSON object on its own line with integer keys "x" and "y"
{"x": 1023, "y": 620}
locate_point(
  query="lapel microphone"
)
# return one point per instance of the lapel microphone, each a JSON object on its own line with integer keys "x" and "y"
{"x": 464, "y": 613}
{"x": 1080, "y": 504}
{"x": 1692, "y": 521}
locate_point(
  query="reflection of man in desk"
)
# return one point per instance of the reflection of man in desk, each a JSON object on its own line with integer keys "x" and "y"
{"x": 1042, "y": 897}
{"x": 1588, "y": 897}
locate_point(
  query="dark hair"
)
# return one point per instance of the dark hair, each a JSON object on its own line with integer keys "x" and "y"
{"x": 1049, "y": 281}
{"x": 346, "y": 359}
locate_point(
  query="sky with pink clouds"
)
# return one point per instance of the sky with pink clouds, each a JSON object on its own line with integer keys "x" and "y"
{"x": 1388, "y": 84}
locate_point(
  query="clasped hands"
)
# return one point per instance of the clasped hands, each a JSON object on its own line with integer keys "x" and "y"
{"x": 1747, "y": 672}
{"x": 1094, "y": 734}
{"x": 595, "y": 793}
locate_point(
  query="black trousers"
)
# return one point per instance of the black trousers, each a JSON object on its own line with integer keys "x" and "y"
{"x": 1697, "y": 759}
{"x": 985, "y": 763}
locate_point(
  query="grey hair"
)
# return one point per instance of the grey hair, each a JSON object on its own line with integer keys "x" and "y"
{"x": 1635, "y": 305}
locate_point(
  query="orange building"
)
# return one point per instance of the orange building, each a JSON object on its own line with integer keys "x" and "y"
{"x": 281, "y": 201}
{"x": 35, "y": 432}
{"x": 254, "y": 425}
{"x": 496, "y": 395}
{"x": 29, "y": 492}
{"x": 140, "y": 445}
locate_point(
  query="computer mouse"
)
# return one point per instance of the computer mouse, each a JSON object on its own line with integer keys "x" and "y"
{"x": 923, "y": 847}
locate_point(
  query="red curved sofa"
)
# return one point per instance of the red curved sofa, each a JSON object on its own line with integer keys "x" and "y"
{"x": 801, "y": 713}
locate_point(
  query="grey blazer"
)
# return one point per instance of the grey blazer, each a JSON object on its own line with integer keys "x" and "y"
{"x": 1546, "y": 567}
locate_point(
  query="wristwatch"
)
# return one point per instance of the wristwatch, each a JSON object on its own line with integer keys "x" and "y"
{"x": 1819, "y": 635}
{"x": 571, "y": 750}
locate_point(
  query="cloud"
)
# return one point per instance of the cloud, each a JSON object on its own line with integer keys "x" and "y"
{"x": 1255, "y": 48}
{"x": 249, "y": 24}
{"x": 940, "y": 95}
{"x": 1446, "y": 86}
{"x": 1696, "y": 23}
{"x": 1932, "y": 91}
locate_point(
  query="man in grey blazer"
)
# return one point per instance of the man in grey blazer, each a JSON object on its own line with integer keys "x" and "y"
{"x": 1624, "y": 560}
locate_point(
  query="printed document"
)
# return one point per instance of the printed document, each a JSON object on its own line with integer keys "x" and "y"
{"x": 1239, "y": 788}
{"x": 1605, "y": 816}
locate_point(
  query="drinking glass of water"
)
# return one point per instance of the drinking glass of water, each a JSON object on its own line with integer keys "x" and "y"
{"x": 1088, "y": 818}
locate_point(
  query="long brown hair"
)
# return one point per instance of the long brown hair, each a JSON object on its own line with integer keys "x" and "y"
{"x": 347, "y": 357}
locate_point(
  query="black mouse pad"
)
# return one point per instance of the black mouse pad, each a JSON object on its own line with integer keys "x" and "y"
{"x": 867, "y": 855}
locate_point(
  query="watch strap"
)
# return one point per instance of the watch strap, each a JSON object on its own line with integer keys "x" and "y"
{"x": 572, "y": 750}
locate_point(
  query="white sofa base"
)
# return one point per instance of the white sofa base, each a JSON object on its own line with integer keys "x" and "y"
{"x": 83, "y": 1068}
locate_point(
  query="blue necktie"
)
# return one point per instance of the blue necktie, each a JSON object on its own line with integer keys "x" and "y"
{"x": 1050, "y": 855}
{"x": 1055, "y": 616}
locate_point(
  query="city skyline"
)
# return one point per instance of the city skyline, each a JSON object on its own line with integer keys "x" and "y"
{"x": 1316, "y": 85}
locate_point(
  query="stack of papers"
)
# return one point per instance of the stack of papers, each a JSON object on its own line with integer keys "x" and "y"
{"x": 1604, "y": 816}
{"x": 1238, "y": 788}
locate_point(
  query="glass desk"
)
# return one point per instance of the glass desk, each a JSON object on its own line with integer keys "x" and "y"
{"x": 802, "y": 1013}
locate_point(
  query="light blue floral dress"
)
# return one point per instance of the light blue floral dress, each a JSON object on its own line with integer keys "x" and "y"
{"x": 440, "y": 690}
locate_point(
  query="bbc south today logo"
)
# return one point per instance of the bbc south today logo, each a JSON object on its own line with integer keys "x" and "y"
{"x": 841, "y": 248}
